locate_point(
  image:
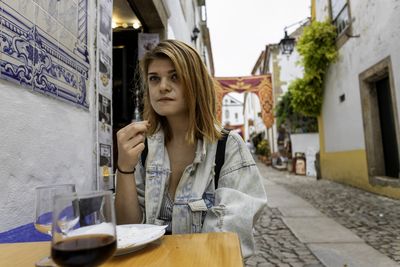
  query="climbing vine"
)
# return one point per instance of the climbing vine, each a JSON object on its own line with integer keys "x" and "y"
{"x": 293, "y": 121}
{"x": 317, "y": 50}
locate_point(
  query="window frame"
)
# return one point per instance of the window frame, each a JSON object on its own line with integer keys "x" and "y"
{"x": 345, "y": 34}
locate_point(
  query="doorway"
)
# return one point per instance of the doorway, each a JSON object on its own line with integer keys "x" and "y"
{"x": 125, "y": 79}
{"x": 381, "y": 123}
{"x": 388, "y": 128}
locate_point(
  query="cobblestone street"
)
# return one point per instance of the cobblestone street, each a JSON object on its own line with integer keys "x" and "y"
{"x": 373, "y": 218}
{"x": 277, "y": 246}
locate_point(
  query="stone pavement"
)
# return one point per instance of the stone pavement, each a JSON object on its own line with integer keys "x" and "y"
{"x": 322, "y": 223}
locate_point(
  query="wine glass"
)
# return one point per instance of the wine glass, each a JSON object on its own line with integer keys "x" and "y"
{"x": 83, "y": 229}
{"x": 43, "y": 211}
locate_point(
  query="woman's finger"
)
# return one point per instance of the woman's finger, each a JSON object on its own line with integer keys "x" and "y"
{"x": 136, "y": 150}
{"x": 131, "y": 130}
{"x": 134, "y": 141}
{"x": 136, "y": 127}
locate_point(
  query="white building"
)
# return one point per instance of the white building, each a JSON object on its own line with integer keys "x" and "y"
{"x": 283, "y": 69}
{"x": 56, "y": 89}
{"x": 232, "y": 111}
{"x": 253, "y": 122}
{"x": 359, "y": 124}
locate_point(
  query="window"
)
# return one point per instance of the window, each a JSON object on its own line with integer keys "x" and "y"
{"x": 203, "y": 13}
{"x": 236, "y": 116}
{"x": 340, "y": 15}
{"x": 227, "y": 114}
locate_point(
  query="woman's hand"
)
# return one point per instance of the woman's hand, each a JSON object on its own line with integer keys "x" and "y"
{"x": 130, "y": 140}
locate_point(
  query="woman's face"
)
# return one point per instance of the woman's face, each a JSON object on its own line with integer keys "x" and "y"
{"x": 166, "y": 89}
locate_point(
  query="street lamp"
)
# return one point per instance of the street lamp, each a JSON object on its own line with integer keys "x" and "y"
{"x": 195, "y": 34}
{"x": 287, "y": 44}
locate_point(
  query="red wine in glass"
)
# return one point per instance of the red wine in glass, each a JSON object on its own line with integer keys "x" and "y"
{"x": 83, "y": 229}
{"x": 87, "y": 250}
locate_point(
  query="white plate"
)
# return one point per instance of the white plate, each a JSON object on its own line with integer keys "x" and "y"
{"x": 132, "y": 237}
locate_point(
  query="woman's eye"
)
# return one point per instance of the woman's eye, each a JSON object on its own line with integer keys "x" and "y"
{"x": 153, "y": 78}
{"x": 174, "y": 77}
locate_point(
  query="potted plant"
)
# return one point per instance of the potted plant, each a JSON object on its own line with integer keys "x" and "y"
{"x": 263, "y": 150}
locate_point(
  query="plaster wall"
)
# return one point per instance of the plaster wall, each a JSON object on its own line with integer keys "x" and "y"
{"x": 252, "y": 108}
{"x": 43, "y": 141}
{"x": 290, "y": 70}
{"x": 378, "y": 24}
{"x": 185, "y": 17}
{"x": 284, "y": 70}
{"x": 232, "y": 119}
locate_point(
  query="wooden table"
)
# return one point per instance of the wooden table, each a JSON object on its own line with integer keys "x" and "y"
{"x": 208, "y": 249}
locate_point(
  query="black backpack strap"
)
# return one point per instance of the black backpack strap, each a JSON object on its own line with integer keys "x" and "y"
{"x": 220, "y": 156}
{"x": 143, "y": 156}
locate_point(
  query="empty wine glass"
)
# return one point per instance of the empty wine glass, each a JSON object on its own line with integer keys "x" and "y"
{"x": 43, "y": 211}
{"x": 83, "y": 231}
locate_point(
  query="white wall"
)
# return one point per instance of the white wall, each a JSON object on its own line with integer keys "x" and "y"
{"x": 43, "y": 141}
{"x": 289, "y": 69}
{"x": 178, "y": 22}
{"x": 378, "y": 24}
{"x": 252, "y": 108}
{"x": 233, "y": 109}
{"x": 181, "y": 22}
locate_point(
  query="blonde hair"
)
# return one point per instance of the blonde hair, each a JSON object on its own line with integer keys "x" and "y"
{"x": 199, "y": 91}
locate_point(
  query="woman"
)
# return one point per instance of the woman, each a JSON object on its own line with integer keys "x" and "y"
{"x": 176, "y": 186}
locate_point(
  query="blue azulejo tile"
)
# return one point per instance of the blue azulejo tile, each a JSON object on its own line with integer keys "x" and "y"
{"x": 17, "y": 47}
{"x": 32, "y": 56}
{"x": 1, "y": 34}
{"x": 47, "y": 23}
{"x": 68, "y": 16}
{"x": 24, "y": 8}
{"x": 23, "y": 233}
{"x": 50, "y": 6}
{"x": 82, "y": 20}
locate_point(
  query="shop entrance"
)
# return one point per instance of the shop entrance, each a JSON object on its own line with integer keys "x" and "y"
{"x": 125, "y": 80}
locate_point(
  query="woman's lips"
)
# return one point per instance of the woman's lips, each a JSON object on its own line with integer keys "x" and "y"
{"x": 165, "y": 99}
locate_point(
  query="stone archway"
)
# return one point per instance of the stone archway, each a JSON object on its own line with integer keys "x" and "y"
{"x": 260, "y": 85}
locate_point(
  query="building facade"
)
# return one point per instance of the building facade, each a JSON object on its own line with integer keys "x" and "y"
{"x": 58, "y": 98}
{"x": 283, "y": 69}
{"x": 359, "y": 122}
{"x": 232, "y": 113}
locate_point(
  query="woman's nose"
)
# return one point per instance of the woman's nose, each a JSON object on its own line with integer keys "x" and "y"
{"x": 164, "y": 85}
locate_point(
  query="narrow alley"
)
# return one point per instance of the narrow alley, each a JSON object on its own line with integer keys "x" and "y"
{"x": 323, "y": 223}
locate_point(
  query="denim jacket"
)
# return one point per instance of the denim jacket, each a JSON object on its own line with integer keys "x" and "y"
{"x": 198, "y": 207}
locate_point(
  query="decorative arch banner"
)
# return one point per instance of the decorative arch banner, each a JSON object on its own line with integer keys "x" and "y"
{"x": 260, "y": 85}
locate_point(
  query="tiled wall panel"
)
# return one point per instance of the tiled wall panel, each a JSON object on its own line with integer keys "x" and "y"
{"x": 43, "y": 47}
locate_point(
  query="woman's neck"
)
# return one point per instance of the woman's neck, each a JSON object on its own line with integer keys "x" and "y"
{"x": 179, "y": 128}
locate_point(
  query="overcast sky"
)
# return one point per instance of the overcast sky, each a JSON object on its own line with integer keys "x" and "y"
{"x": 240, "y": 30}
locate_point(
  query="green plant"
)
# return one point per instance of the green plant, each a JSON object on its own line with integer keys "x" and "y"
{"x": 317, "y": 49}
{"x": 284, "y": 109}
{"x": 263, "y": 148}
{"x": 293, "y": 121}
